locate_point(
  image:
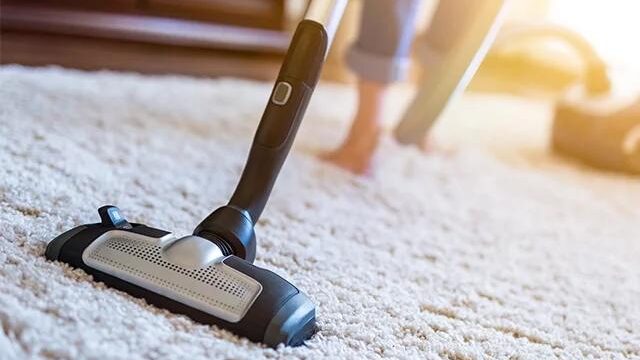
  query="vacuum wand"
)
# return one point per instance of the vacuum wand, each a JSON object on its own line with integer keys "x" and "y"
{"x": 232, "y": 226}
{"x": 282, "y": 117}
{"x": 287, "y": 104}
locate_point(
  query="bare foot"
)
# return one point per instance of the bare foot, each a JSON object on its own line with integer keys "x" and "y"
{"x": 356, "y": 154}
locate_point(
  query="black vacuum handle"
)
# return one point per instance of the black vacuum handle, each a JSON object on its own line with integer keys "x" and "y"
{"x": 284, "y": 112}
{"x": 231, "y": 226}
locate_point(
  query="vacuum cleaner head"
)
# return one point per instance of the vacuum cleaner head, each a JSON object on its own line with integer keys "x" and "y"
{"x": 209, "y": 276}
{"x": 189, "y": 275}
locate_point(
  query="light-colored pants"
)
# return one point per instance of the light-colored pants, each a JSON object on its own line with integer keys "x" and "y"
{"x": 387, "y": 29}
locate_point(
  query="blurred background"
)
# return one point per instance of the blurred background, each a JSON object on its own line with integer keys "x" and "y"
{"x": 247, "y": 38}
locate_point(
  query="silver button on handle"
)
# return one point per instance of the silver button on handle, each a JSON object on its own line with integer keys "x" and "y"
{"x": 281, "y": 93}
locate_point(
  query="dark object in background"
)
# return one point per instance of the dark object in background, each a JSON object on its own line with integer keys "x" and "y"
{"x": 608, "y": 140}
{"x": 213, "y": 38}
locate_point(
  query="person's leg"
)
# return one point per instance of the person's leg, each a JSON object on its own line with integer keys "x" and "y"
{"x": 356, "y": 151}
{"x": 379, "y": 57}
{"x": 454, "y": 45}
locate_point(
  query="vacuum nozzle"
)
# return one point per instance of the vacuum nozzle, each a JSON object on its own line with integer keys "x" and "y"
{"x": 191, "y": 276}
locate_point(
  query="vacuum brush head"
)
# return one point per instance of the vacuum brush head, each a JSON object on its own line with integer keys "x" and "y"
{"x": 188, "y": 275}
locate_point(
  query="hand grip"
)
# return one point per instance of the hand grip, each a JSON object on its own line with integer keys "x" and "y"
{"x": 284, "y": 112}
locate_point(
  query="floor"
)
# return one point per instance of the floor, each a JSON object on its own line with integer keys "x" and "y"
{"x": 496, "y": 249}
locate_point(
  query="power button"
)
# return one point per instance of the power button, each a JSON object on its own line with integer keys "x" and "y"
{"x": 281, "y": 93}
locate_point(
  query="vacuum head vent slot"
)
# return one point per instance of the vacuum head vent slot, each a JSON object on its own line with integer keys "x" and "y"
{"x": 217, "y": 289}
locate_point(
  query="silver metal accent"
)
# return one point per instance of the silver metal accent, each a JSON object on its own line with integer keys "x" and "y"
{"x": 192, "y": 252}
{"x": 328, "y": 13}
{"x": 169, "y": 267}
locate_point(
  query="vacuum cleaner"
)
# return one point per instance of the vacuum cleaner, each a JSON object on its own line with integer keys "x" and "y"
{"x": 209, "y": 275}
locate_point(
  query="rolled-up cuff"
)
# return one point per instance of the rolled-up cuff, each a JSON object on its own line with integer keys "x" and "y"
{"x": 375, "y": 67}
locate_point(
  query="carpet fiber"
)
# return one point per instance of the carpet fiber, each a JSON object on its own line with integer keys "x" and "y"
{"x": 498, "y": 250}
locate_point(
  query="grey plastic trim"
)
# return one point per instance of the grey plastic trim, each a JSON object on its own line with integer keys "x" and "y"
{"x": 289, "y": 320}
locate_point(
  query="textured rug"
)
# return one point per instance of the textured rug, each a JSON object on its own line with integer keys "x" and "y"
{"x": 497, "y": 250}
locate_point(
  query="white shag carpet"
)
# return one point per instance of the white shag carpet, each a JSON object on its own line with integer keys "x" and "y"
{"x": 499, "y": 250}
